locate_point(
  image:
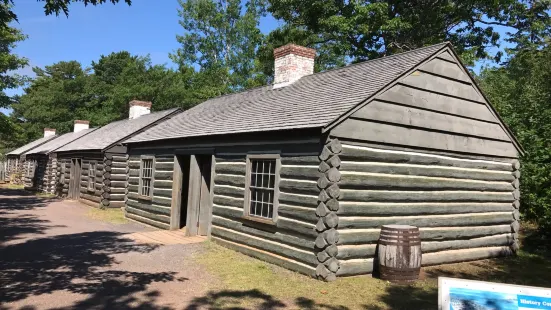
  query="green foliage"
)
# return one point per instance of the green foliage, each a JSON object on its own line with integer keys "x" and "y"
{"x": 521, "y": 92}
{"x": 370, "y": 29}
{"x": 220, "y": 40}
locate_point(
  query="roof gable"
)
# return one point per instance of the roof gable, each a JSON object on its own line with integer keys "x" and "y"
{"x": 437, "y": 106}
{"x": 64, "y": 139}
{"x": 29, "y": 146}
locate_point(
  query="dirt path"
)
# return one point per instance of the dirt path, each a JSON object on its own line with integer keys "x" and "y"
{"x": 52, "y": 256}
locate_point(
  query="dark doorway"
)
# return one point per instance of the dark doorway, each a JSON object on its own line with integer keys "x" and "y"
{"x": 74, "y": 180}
{"x": 184, "y": 162}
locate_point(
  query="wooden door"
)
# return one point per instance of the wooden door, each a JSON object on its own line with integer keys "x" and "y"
{"x": 199, "y": 196}
{"x": 74, "y": 180}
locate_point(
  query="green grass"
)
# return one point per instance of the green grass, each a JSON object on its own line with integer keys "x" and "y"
{"x": 247, "y": 283}
{"x": 13, "y": 186}
{"x": 109, "y": 215}
{"x": 45, "y": 195}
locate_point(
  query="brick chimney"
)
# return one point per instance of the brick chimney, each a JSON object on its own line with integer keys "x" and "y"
{"x": 291, "y": 63}
{"x": 81, "y": 125}
{"x": 139, "y": 108}
{"x": 48, "y": 132}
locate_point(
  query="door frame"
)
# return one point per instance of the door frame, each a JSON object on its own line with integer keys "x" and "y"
{"x": 75, "y": 174}
{"x": 194, "y": 190}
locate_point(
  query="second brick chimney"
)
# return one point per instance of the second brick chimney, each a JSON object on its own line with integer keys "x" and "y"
{"x": 48, "y": 132}
{"x": 139, "y": 108}
{"x": 291, "y": 63}
{"x": 81, "y": 125}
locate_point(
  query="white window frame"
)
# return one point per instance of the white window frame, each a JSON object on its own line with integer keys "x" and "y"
{"x": 144, "y": 158}
{"x": 92, "y": 175}
{"x": 275, "y": 199}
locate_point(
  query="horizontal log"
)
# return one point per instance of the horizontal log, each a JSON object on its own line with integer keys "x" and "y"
{"x": 391, "y": 209}
{"x": 300, "y": 172}
{"x": 425, "y": 196}
{"x": 122, "y": 165}
{"x": 299, "y": 213}
{"x": 163, "y": 166}
{"x": 118, "y": 177}
{"x": 153, "y": 216}
{"x": 309, "y": 201}
{"x": 230, "y": 158}
{"x": 167, "y": 193}
{"x": 300, "y": 160}
{"x": 161, "y": 175}
{"x": 298, "y": 187}
{"x": 120, "y": 158}
{"x": 93, "y": 198}
{"x": 229, "y": 191}
{"x": 88, "y": 202}
{"x": 356, "y": 251}
{"x": 355, "y": 267}
{"x": 162, "y": 184}
{"x": 164, "y": 159}
{"x": 366, "y": 236}
{"x": 300, "y": 227}
{"x": 365, "y": 180}
{"x": 147, "y": 221}
{"x": 360, "y": 153}
{"x": 279, "y": 236}
{"x": 228, "y": 201}
{"x": 231, "y": 168}
{"x": 133, "y": 164}
{"x": 496, "y": 240}
{"x": 303, "y": 256}
{"x": 147, "y": 206}
{"x": 427, "y": 170}
{"x": 267, "y": 257}
{"x": 456, "y": 256}
{"x": 121, "y": 184}
{"x": 117, "y": 197}
{"x": 121, "y": 171}
{"x": 229, "y": 179}
{"x": 117, "y": 204}
{"x": 133, "y": 189}
{"x": 133, "y": 180}
{"x": 469, "y": 219}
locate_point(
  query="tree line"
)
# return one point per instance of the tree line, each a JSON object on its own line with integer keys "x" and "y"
{"x": 222, "y": 50}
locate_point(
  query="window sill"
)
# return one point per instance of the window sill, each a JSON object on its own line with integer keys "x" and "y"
{"x": 146, "y": 198}
{"x": 258, "y": 220}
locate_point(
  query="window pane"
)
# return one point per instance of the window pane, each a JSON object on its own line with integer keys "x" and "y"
{"x": 262, "y": 186}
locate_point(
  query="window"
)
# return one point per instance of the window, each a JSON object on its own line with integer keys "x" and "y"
{"x": 92, "y": 175}
{"x": 262, "y": 186}
{"x": 146, "y": 176}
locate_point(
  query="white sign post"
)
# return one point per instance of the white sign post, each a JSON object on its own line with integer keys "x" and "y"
{"x": 459, "y": 294}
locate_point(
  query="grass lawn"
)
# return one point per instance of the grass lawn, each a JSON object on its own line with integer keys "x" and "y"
{"x": 110, "y": 215}
{"x": 247, "y": 283}
{"x": 12, "y": 186}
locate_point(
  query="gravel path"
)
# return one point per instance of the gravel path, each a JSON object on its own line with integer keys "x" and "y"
{"x": 52, "y": 256}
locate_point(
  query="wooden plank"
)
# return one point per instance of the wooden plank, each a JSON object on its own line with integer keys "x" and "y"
{"x": 427, "y": 170}
{"x": 230, "y": 168}
{"x": 163, "y": 184}
{"x": 303, "y": 256}
{"x": 393, "y": 209}
{"x": 268, "y": 257}
{"x": 152, "y": 216}
{"x": 398, "y": 135}
{"x": 490, "y": 241}
{"x": 368, "y": 154}
{"x": 300, "y": 160}
{"x": 447, "y": 56}
{"x": 192, "y": 215}
{"x": 300, "y": 172}
{"x": 356, "y": 251}
{"x": 167, "y": 193}
{"x": 230, "y": 191}
{"x": 447, "y": 69}
{"x": 299, "y": 213}
{"x": 276, "y": 235}
{"x": 469, "y": 219}
{"x": 424, "y": 196}
{"x": 437, "y": 102}
{"x": 147, "y": 221}
{"x": 309, "y": 201}
{"x": 230, "y": 179}
{"x": 413, "y": 117}
{"x": 455, "y": 256}
{"x": 162, "y": 175}
{"x": 176, "y": 202}
{"x": 442, "y": 85}
{"x": 355, "y": 267}
{"x": 136, "y": 204}
{"x": 367, "y": 180}
{"x": 306, "y": 187}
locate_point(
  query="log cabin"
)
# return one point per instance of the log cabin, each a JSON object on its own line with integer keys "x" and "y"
{"x": 304, "y": 172}
{"x": 18, "y": 170}
{"x": 44, "y": 159}
{"x": 93, "y": 168}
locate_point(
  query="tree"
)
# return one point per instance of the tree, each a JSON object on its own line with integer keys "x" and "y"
{"x": 220, "y": 39}
{"x": 370, "y": 29}
{"x": 521, "y": 92}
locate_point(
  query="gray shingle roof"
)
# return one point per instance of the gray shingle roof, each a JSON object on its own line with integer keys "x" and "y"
{"x": 313, "y": 101}
{"x": 114, "y": 132}
{"x": 29, "y": 146}
{"x": 53, "y": 145}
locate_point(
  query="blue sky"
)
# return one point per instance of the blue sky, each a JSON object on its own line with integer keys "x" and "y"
{"x": 146, "y": 27}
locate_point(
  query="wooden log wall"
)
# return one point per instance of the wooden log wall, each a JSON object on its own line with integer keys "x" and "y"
{"x": 42, "y": 172}
{"x": 50, "y": 186}
{"x": 31, "y": 171}
{"x": 153, "y": 211}
{"x": 92, "y": 197}
{"x": 115, "y": 180}
{"x": 466, "y": 209}
{"x": 290, "y": 242}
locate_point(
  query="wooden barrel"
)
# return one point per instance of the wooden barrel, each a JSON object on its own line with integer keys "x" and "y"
{"x": 399, "y": 253}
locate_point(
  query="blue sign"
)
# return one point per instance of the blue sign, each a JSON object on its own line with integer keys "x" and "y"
{"x": 458, "y": 294}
